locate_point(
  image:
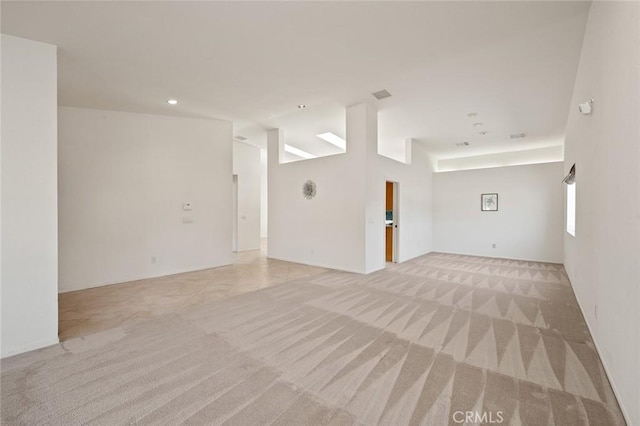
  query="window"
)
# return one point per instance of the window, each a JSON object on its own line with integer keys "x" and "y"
{"x": 571, "y": 209}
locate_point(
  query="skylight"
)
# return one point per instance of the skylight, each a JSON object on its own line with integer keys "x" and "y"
{"x": 298, "y": 152}
{"x": 334, "y": 140}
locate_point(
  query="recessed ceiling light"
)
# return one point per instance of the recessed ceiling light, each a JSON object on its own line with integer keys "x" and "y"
{"x": 334, "y": 140}
{"x": 477, "y": 124}
{"x": 484, "y": 132}
{"x": 172, "y": 102}
{"x": 298, "y": 152}
{"x": 472, "y": 114}
{"x": 302, "y": 106}
{"x": 241, "y": 138}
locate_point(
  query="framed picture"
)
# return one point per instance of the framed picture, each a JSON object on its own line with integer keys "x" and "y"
{"x": 489, "y": 203}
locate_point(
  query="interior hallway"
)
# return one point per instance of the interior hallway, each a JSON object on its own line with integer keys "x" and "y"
{"x": 84, "y": 312}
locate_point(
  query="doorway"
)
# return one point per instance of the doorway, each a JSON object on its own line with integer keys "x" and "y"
{"x": 391, "y": 221}
{"x": 234, "y": 225}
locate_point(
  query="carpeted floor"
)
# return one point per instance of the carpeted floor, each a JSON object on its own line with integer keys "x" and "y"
{"x": 422, "y": 342}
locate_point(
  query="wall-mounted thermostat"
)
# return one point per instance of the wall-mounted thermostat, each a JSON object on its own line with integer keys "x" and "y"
{"x": 186, "y": 206}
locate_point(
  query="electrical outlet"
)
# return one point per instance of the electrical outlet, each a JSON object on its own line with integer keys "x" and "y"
{"x": 493, "y": 245}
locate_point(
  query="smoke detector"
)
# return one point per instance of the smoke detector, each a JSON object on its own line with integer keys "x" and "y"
{"x": 518, "y": 135}
{"x": 381, "y": 94}
{"x": 463, "y": 144}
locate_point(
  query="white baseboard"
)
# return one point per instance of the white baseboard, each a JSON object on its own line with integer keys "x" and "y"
{"x": 145, "y": 276}
{"x": 625, "y": 413}
{"x": 247, "y": 249}
{"x": 319, "y": 265}
{"x": 557, "y": 262}
{"x": 31, "y": 347}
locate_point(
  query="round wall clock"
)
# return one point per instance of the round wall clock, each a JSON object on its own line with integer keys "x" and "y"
{"x": 309, "y": 189}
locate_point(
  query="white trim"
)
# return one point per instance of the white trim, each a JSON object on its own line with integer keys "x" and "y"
{"x": 417, "y": 256}
{"x": 31, "y": 347}
{"x": 319, "y": 265}
{"x": 557, "y": 262}
{"x": 248, "y": 249}
{"x": 625, "y": 414}
{"x": 138, "y": 277}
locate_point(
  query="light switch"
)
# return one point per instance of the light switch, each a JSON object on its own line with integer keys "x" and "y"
{"x": 186, "y": 206}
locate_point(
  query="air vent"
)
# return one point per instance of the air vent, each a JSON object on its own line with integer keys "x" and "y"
{"x": 463, "y": 144}
{"x": 518, "y": 135}
{"x": 382, "y": 94}
{"x": 240, "y": 138}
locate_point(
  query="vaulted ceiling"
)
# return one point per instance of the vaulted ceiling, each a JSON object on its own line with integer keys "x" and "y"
{"x": 511, "y": 63}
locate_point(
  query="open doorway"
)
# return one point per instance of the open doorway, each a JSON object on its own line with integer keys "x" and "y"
{"x": 234, "y": 225}
{"x": 391, "y": 221}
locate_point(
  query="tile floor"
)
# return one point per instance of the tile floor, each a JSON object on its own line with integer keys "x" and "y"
{"x": 84, "y": 312}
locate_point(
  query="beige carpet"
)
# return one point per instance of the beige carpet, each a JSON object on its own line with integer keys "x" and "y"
{"x": 413, "y": 344}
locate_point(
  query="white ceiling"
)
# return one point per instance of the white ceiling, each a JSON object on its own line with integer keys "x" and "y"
{"x": 302, "y": 127}
{"x": 513, "y": 63}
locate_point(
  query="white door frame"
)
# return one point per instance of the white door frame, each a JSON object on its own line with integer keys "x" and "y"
{"x": 234, "y": 226}
{"x": 396, "y": 215}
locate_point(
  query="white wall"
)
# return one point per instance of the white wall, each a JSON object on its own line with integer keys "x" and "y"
{"x": 29, "y": 204}
{"x": 246, "y": 164}
{"x": 327, "y": 230}
{"x": 123, "y": 179}
{"x": 264, "y": 195}
{"x": 415, "y": 223}
{"x": 513, "y": 158}
{"x": 528, "y": 224}
{"x": 603, "y": 259}
{"x": 413, "y": 213}
{"x": 343, "y": 226}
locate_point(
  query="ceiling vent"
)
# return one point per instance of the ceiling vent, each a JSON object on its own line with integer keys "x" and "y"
{"x": 381, "y": 94}
{"x": 240, "y": 138}
{"x": 518, "y": 135}
{"x": 463, "y": 144}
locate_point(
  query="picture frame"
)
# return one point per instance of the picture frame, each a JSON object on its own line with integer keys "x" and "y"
{"x": 489, "y": 202}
